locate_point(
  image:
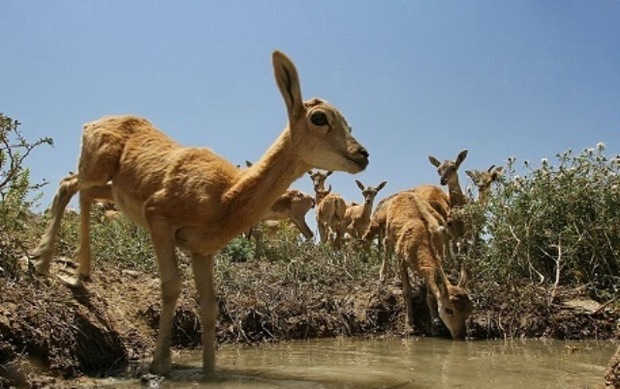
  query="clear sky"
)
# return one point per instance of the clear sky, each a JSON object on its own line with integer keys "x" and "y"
{"x": 520, "y": 78}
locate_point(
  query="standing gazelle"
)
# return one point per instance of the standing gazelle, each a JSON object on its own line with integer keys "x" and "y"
{"x": 330, "y": 210}
{"x": 357, "y": 216}
{"x": 449, "y": 176}
{"x": 193, "y": 198}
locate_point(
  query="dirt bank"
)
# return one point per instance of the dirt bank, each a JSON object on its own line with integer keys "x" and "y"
{"x": 51, "y": 331}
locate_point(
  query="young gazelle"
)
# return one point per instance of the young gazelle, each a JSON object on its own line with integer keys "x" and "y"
{"x": 330, "y": 210}
{"x": 293, "y": 205}
{"x": 455, "y": 226}
{"x": 414, "y": 231}
{"x": 437, "y": 204}
{"x": 357, "y": 216}
{"x": 191, "y": 197}
{"x": 448, "y": 175}
{"x": 318, "y": 178}
{"x": 484, "y": 179}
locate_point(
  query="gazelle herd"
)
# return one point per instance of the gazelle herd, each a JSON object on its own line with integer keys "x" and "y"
{"x": 194, "y": 199}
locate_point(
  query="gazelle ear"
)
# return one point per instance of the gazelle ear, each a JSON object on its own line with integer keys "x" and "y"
{"x": 461, "y": 157}
{"x": 310, "y": 173}
{"x": 329, "y": 173}
{"x": 437, "y": 283}
{"x": 381, "y": 185}
{"x": 360, "y": 185}
{"x": 498, "y": 171}
{"x": 288, "y": 82}
{"x": 434, "y": 161}
{"x": 463, "y": 278}
{"x": 471, "y": 174}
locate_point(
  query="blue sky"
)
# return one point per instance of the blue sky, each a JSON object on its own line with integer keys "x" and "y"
{"x": 520, "y": 78}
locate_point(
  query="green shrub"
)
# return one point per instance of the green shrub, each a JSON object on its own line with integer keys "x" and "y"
{"x": 239, "y": 249}
{"x": 17, "y": 195}
{"x": 121, "y": 242}
{"x": 556, "y": 223}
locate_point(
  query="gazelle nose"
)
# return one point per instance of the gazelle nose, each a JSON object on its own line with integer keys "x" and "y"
{"x": 364, "y": 152}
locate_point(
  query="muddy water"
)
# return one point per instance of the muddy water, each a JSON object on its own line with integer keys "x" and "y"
{"x": 408, "y": 363}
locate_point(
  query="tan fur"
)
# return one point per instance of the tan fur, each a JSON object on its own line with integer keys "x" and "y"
{"x": 191, "y": 197}
{"x": 357, "y": 216}
{"x": 330, "y": 212}
{"x": 293, "y": 206}
{"x": 414, "y": 231}
{"x": 455, "y": 226}
{"x": 436, "y": 202}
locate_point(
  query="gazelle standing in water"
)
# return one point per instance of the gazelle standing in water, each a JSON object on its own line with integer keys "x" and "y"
{"x": 192, "y": 198}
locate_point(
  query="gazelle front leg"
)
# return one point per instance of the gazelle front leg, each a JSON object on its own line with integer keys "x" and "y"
{"x": 202, "y": 266}
{"x": 84, "y": 256}
{"x": 387, "y": 253}
{"x": 407, "y": 292}
{"x": 162, "y": 237}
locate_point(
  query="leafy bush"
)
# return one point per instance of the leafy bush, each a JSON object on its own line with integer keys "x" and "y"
{"x": 554, "y": 224}
{"x": 239, "y": 249}
{"x": 16, "y": 195}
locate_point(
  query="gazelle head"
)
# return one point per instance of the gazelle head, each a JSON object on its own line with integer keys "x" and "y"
{"x": 369, "y": 192}
{"x": 318, "y": 131}
{"x": 484, "y": 179}
{"x": 322, "y": 193}
{"x": 318, "y": 179}
{"x": 447, "y": 169}
{"x": 453, "y": 303}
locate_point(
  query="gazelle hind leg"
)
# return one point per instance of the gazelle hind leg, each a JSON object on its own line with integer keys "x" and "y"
{"x": 42, "y": 255}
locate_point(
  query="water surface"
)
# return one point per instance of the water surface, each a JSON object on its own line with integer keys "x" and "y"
{"x": 397, "y": 363}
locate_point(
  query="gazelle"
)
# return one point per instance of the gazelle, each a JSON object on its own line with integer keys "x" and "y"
{"x": 448, "y": 173}
{"x": 437, "y": 204}
{"x": 357, "y": 216}
{"x": 484, "y": 179}
{"x": 193, "y": 198}
{"x": 318, "y": 178}
{"x": 293, "y": 205}
{"x": 417, "y": 245}
{"x": 448, "y": 176}
{"x": 330, "y": 212}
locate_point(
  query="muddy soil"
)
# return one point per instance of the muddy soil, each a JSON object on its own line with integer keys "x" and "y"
{"x": 52, "y": 332}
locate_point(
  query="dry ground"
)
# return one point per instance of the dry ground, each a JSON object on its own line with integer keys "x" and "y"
{"x": 51, "y": 331}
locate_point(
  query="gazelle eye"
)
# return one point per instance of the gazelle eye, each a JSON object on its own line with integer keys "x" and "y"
{"x": 318, "y": 119}
{"x": 449, "y": 311}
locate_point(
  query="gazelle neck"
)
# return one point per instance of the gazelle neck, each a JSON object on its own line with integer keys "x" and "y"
{"x": 457, "y": 198}
{"x": 263, "y": 183}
